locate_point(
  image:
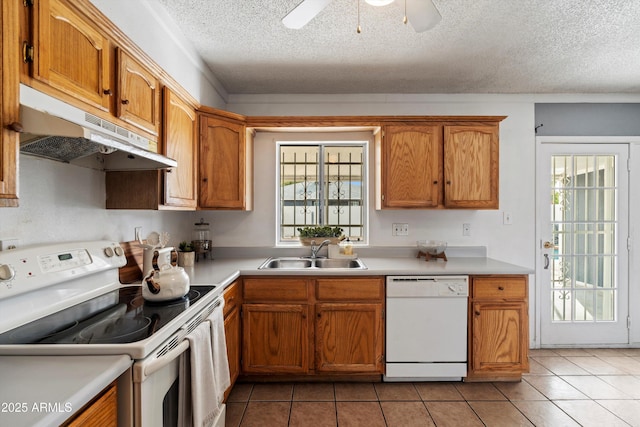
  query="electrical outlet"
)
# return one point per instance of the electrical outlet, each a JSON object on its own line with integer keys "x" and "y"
{"x": 7, "y": 244}
{"x": 507, "y": 219}
{"x": 466, "y": 229}
{"x": 400, "y": 229}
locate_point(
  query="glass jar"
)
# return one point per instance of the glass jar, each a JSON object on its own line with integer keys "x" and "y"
{"x": 201, "y": 238}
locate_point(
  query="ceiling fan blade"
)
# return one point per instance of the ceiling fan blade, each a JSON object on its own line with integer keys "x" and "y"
{"x": 422, "y": 14}
{"x": 303, "y": 13}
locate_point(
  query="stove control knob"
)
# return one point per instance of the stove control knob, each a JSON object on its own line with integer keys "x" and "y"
{"x": 6, "y": 273}
{"x": 119, "y": 251}
{"x": 108, "y": 252}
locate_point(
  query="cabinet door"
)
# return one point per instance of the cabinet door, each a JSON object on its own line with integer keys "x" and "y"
{"x": 275, "y": 338}
{"x": 222, "y": 164}
{"x": 138, "y": 100}
{"x": 499, "y": 338}
{"x": 349, "y": 337}
{"x": 232, "y": 337}
{"x": 412, "y": 167}
{"x": 180, "y": 144}
{"x": 9, "y": 107}
{"x": 72, "y": 56}
{"x": 471, "y": 166}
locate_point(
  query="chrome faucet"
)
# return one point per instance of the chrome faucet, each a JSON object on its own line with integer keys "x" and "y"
{"x": 315, "y": 249}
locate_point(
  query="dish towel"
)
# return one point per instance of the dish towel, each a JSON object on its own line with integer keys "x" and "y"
{"x": 219, "y": 352}
{"x": 203, "y": 390}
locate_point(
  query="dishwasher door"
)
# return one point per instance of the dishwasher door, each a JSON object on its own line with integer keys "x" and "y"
{"x": 426, "y": 327}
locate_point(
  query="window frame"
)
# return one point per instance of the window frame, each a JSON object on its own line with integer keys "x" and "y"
{"x": 325, "y": 142}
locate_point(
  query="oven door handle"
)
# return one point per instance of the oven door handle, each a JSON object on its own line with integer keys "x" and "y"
{"x": 145, "y": 369}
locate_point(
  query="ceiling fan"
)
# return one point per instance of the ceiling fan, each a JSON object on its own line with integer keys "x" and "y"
{"x": 421, "y": 14}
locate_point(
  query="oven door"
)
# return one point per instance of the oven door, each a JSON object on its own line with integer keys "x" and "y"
{"x": 159, "y": 397}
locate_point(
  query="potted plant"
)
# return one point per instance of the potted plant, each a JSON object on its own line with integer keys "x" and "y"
{"x": 186, "y": 254}
{"x": 319, "y": 234}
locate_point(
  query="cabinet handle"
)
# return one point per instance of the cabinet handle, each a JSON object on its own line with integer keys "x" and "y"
{"x": 125, "y": 101}
{"x": 448, "y": 182}
{"x": 16, "y": 127}
{"x": 319, "y": 315}
{"x": 107, "y": 92}
{"x": 204, "y": 179}
{"x": 477, "y": 313}
{"x": 435, "y": 182}
{"x": 501, "y": 288}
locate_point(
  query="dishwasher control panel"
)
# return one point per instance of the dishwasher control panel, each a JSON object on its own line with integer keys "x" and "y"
{"x": 427, "y": 286}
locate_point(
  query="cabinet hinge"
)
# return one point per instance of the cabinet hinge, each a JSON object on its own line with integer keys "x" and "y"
{"x": 382, "y": 312}
{"x": 628, "y": 322}
{"x": 27, "y": 3}
{"x": 629, "y": 243}
{"x": 27, "y": 52}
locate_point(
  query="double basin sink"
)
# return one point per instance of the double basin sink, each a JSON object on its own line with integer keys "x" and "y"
{"x": 301, "y": 263}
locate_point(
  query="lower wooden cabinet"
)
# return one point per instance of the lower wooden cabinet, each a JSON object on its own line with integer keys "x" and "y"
{"x": 102, "y": 411}
{"x": 311, "y": 326}
{"x": 232, "y": 303}
{"x": 498, "y": 328}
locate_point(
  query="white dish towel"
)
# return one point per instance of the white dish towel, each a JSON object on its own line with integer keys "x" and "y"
{"x": 204, "y": 403}
{"x": 219, "y": 352}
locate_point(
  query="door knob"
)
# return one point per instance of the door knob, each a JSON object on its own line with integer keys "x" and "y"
{"x": 548, "y": 245}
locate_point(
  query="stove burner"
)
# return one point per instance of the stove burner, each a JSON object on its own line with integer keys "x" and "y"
{"x": 38, "y": 331}
{"x": 116, "y": 330}
{"x": 192, "y": 295}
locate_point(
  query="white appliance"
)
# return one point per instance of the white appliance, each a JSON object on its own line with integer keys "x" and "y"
{"x": 426, "y": 328}
{"x": 66, "y": 299}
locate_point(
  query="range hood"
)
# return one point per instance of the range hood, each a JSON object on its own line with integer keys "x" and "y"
{"x": 58, "y": 131}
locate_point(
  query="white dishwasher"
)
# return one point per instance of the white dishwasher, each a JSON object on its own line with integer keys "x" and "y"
{"x": 426, "y": 328}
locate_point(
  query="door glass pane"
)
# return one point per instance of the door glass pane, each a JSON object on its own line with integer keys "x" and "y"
{"x": 583, "y": 220}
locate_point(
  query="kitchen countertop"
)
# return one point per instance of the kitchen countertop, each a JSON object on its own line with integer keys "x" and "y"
{"x": 224, "y": 271}
{"x": 48, "y": 390}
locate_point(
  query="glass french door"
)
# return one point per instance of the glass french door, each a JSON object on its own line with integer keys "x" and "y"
{"x": 583, "y": 228}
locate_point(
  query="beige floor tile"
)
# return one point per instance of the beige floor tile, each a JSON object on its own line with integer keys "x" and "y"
{"x": 314, "y": 392}
{"x": 542, "y": 352}
{"x": 589, "y": 413}
{"x": 316, "y": 414}
{"x": 554, "y": 388}
{"x": 537, "y": 369}
{"x": 479, "y": 391}
{"x": 453, "y": 414}
{"x": 627, "y": 410}
{"x": 272, "y": 392}
{"x": 594, "y": 387}
{"x": 406, "y": 414}
{"x": 240, "y": 392}
{"x": 572, "y": 352}
{"x": 630, "y": 351}
{"x": 607, "y": 351}
{"x": 234, "y": 413}
{"x": 355, "y": 392}
{"x": 358, "y": 414}
{"x": 627, "y": 384}
{"x": 560, "y": 365}
{"x": 625, "y": 363}
{"x": 396, "y": 391}
{"x": 545, "y": 414}
{"x": 438, "y": 391}
{"x": 521, "y": 390}
{"x": 499, "y": 414}
{"x": 263, "y": 414}
{"x": 594, "y": 365}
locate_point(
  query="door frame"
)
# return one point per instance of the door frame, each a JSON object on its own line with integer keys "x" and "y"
{"x": 633, "y": 270}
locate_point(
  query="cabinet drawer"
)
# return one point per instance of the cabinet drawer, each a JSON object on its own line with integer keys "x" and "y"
{"x": 499, "y": 287}
{"x": 275, "y": 289}
{"x": 231, "y": 298}
{"x": 351, "y": 289}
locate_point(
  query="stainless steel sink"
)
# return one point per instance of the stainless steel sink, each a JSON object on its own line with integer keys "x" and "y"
{"x": 293, "y": 263}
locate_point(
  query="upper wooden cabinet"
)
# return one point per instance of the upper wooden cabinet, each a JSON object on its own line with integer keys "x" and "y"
{"x": 9, "y": 104}
{"x": 440, "y": 165}
{"x": 138, "y": 100}
{"x": 412, "y": 172}
{"x": 181, "y": 144}
{"x": 471, "y": 166}
{"x": 224, "y": 163}
{"x": 71, "y": 55}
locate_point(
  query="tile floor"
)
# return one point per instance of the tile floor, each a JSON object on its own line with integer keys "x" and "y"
{"x": 566, "y": 387}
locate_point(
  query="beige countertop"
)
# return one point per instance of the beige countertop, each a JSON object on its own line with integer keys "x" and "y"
{"x": 48, "y": 390}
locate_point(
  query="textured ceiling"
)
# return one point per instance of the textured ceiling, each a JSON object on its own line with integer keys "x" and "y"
{"x": 480, "y": 46}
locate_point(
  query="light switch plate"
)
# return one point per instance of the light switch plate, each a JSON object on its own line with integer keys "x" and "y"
{"x": 400, "y": 229}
